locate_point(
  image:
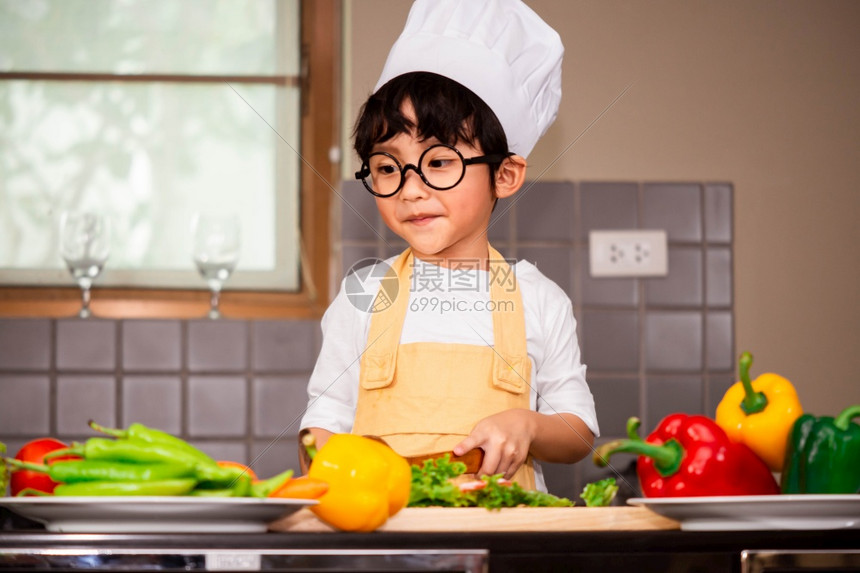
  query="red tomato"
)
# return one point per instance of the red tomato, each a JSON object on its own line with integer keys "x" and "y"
{"x": 473, "y": 485}
{"x": 34, "y": 452}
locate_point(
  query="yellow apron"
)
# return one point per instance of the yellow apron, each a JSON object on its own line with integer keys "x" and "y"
{"x": 425, "y": 397}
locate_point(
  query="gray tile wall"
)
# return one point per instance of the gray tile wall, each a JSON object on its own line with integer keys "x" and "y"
{"x": 234, "y": 388}
{"x": 237, "y": 388}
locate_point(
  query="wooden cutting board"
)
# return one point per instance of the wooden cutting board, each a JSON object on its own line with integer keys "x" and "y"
{"x": 448, "y": 519}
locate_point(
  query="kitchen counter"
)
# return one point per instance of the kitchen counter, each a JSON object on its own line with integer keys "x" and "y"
{"x": 604, "y": 551}
{"x": 637, "y": 549}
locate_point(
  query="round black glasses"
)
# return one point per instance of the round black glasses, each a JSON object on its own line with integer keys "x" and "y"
{"x": 441, "y": 167}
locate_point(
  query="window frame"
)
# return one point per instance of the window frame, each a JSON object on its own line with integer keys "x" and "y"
{"x": 320, "y": 95}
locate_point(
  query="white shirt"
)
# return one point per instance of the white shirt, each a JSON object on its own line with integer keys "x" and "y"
{"x": 450, "y": 305}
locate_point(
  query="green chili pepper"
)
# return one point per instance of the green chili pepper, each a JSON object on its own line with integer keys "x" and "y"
{"x": 241, "y": 487}
{"x": 823, "y": 454}
{"x": 32, "y": 492}
{"x": 222, "y": 492}
{"x": 144, "y": 434}
{"x": 106, "y": 449}
{"x": 74, "y": 471}
{"x": 159, "y": 487}
{"x": 126, "y": 451}
{"x": 264, "y": 487}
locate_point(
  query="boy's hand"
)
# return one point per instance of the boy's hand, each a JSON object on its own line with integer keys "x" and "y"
{"x": 505, "y": 438}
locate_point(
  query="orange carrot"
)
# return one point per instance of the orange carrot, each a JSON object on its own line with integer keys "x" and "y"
{"x": 303, "y": 487}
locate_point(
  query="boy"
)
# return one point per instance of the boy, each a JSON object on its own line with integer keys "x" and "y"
{"x": 471, "y": 352}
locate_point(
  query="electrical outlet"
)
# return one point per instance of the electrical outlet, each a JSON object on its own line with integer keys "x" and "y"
{"x": 628, "y": 253}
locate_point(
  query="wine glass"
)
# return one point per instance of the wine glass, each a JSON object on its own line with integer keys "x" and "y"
{"x": 85, "y": 246}
{"x": 216, "y": 240}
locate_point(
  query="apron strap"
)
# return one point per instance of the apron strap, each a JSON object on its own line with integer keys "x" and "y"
{"x": 511, "y": 365}
{"x": 380, "y": 356}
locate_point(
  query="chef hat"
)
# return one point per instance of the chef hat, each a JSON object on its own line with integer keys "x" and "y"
{"x": 499, "y": 49}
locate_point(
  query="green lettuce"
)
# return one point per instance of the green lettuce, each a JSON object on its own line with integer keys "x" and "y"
{"x": 600, "y": 493}
{"x": 432, "y": 487}
{"x": 500, "y": 493}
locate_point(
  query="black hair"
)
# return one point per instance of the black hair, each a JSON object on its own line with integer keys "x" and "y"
{"x": 444, "y": 109}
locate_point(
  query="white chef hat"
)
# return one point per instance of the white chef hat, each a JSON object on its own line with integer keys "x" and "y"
{"x": 499, "y": 49}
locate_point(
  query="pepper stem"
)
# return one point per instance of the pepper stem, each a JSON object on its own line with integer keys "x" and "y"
{"x": 845, "y": 417}
{"x": 115, "y": 432}
{"x": 76, "y": 450}
{"x": 633, "y": 424}
{"x": 21, "y": 465}
{"x": 310, "y": 445}
{"x": 667, "y": 456}
{"x": 753, "y": 402}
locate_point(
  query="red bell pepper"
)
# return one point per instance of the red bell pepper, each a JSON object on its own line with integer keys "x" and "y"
{"x": 691, "y": 456}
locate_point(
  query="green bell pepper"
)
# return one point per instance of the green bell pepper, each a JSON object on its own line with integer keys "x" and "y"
{"x": 823, "y": 454}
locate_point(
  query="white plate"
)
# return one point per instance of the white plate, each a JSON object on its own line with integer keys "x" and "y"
{"x": 732, "y": 513}
{"x": 158, "y": 514}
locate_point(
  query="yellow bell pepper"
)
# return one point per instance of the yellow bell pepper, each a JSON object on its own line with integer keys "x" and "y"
{"x": 368, "y": 482}
{"x": 760, "y": 413}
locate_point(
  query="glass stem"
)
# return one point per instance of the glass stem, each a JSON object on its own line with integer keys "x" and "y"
{"x": 85, "y": 302}
{"x": 214, "y": 299}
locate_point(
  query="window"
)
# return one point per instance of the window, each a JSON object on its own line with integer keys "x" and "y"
{"x": 155, "y": 110}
